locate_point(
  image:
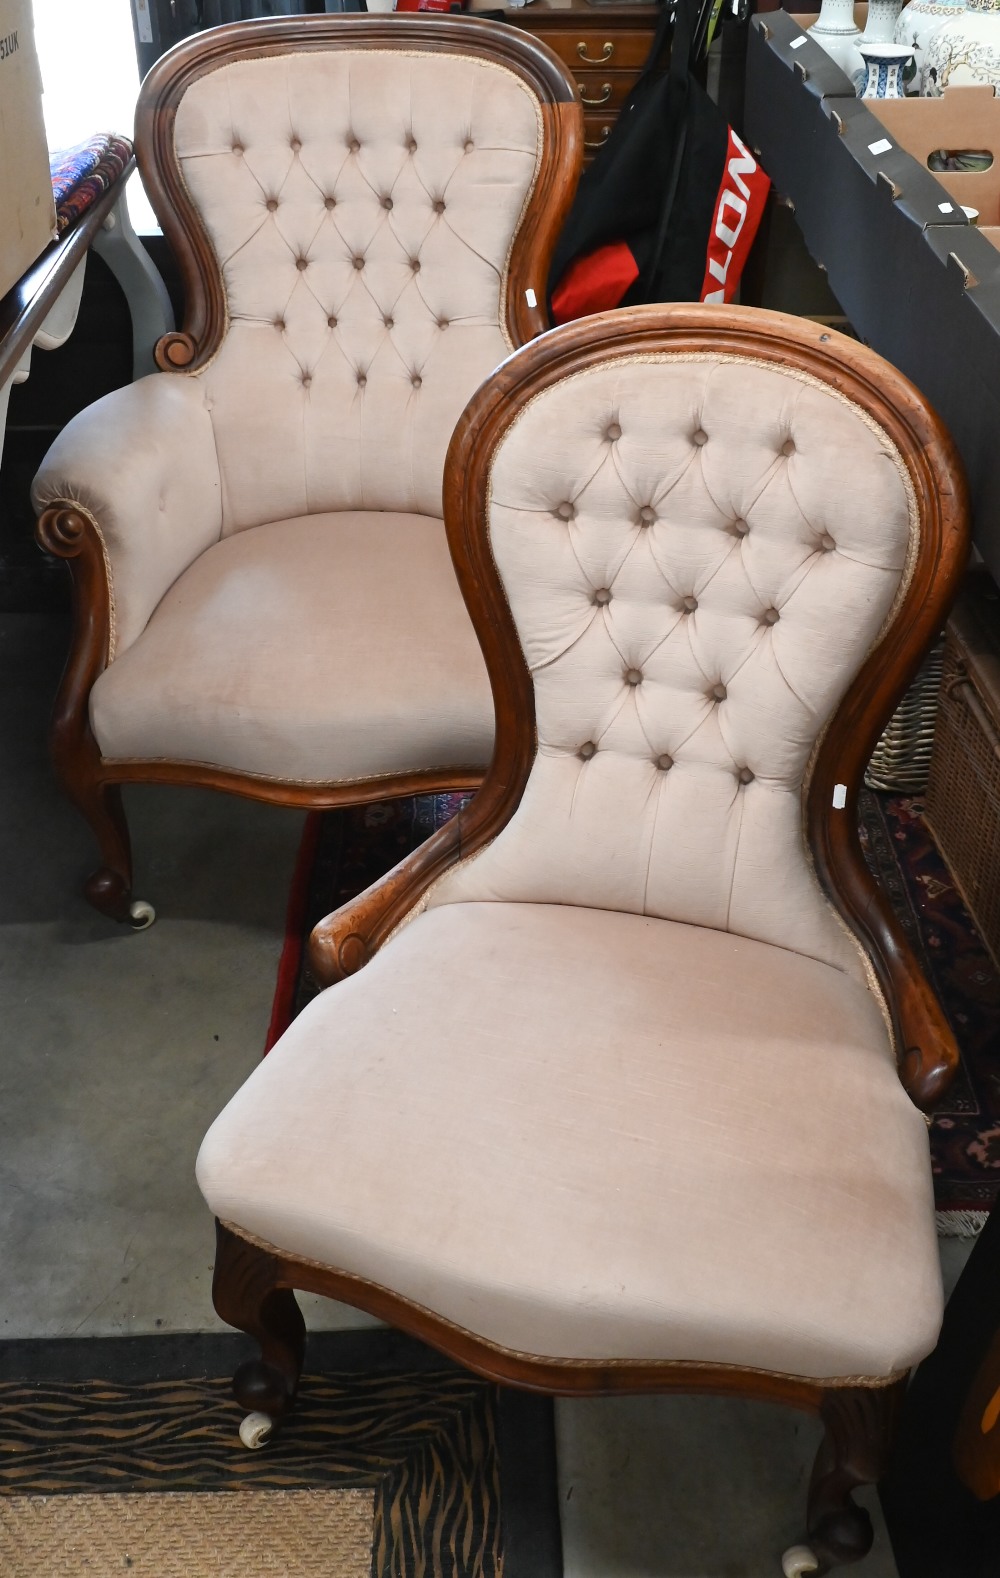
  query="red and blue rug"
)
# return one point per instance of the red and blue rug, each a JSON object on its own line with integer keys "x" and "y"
{"x": 344, "y": 851}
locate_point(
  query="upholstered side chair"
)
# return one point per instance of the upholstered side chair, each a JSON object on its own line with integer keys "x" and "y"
{"x": 363, "y": 209}
{"x": 619, "y": 1083}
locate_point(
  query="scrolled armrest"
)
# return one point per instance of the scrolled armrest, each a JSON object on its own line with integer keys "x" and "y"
{"x": 343, "y": 942}
{"x": 140, "y": 467}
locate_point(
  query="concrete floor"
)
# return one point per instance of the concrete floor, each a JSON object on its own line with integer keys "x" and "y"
{"x": 120, "y": 1048}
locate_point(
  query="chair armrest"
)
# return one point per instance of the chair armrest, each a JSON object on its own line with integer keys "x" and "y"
{"x": 141, "y": 466}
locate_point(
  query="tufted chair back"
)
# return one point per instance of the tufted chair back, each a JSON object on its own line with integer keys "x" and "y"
{"x": 701, "y": 537}
{"x": 348, "y": 196}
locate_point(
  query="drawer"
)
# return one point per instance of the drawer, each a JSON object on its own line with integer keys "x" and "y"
{"x": 588, "y": 47}
{"x": 603, "y": 90}
{"x": 596, "y": 130}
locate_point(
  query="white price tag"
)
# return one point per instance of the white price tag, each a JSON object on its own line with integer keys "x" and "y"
{"x": 797, "y": 43}
{"x": 882, "y": 146}
{"x": 839, "y": 796}
{"x": 531, "y": 298}
{"x": 945, "y": 208}
{"x": 143, "y": 21}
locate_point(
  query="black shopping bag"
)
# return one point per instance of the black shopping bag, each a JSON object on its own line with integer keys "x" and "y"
{"x": 670, "y": 206}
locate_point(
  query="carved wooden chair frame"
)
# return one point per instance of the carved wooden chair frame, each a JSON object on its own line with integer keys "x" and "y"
{"x": 253, "y": 1281}
{"x": 68, "y": 530}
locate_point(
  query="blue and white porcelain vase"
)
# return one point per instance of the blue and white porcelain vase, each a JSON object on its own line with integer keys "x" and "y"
{"x": 885, "y": 70}
{"x": 918, "y": 22}
{"x": 965, "y": 51}
{"x": 879, "y": 29}
{"x": 837, "y": 32}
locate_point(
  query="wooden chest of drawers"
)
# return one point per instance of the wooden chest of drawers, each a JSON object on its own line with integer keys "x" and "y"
{"x": 605, "y": 47}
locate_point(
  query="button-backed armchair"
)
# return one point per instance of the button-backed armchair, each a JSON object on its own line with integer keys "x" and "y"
{"x": 363, "y": 209}
{"x": 618, "y": 1087}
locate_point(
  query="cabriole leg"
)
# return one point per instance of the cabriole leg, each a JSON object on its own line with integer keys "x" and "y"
{"x": 860, "y": 1423}
{"x": 246, "y": 1295}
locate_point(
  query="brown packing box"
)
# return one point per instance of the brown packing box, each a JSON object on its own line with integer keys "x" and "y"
{"x": 27, "y": 212}
{"x": 962, "y": 120}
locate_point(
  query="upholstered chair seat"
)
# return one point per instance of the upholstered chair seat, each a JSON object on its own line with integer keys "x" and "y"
{"x": 363, "y": 209}
{"x": 617, "y": 1081}
{"x": 600, "y": 1136}
{"x": 262, "y": 657}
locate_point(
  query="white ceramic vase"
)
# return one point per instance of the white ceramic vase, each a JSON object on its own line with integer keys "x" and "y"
{"x": 918, "y": 22}
{"x": 885, "y": 70}
{"x": 881, "y": 25}
{"x": 965, "y": 50}
{"x": 837, "y": 32}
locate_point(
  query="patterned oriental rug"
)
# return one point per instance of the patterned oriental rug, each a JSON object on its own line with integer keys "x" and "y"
{"x": 344, "y": 851}
{"x": 122, "y": 1455}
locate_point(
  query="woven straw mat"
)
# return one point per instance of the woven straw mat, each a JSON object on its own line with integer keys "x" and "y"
{"x": 232, "y": 1534}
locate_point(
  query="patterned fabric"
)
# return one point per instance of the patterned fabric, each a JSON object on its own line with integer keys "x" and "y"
{"x": 965, "y": 1132}
{"x": 82, "y": 174}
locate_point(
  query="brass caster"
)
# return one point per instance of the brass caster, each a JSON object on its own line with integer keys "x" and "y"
{"x": 256, "y": 1431}
{"x": 799, "y": 1559}
{"x": 141, "y": 915}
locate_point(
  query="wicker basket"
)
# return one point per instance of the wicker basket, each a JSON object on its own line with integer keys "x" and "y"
{"x": 902, "y": 757}
{"x": 963, "y": 795}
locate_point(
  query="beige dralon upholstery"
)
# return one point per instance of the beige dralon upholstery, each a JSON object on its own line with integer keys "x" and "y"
{"x": 698, "y": 555}
{"x": 263, "y": 656}
{"x": 587, "y": 1134}
{"x": 363, "y": 205}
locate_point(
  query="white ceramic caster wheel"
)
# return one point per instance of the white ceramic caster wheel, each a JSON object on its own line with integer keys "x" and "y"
{"x": 255, "y": 1431}
{"x": 798, "y": 1559}
{"x": 141, "y": 915}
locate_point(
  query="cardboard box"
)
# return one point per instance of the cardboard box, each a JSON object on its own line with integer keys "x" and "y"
{"x": 27, "y": 212}
{"x": 962, "y": 122}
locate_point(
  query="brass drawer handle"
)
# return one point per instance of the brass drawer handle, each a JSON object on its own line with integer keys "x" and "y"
{"x": 605, "y": 95}
{"x": 590, "y": 60}
{"x": 600, "y": 141}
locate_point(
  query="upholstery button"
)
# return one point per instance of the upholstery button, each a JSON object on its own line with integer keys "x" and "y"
{"x": 588, "y": 750}
{"x": 301, "y": 263}
{"x": 306, "y": 380}
{"x": 633, "y": 676}
{"x": 613, "y": 433}
{"x": 647, "y": 515}
{"x": 745, "y": 775}
{"x": 699, "y": 437}
{"x": 443, "y": 323}
{"x": 827, "y": 543}
{"x": 718, "y": 692}
{"x": 689, "y": 605}
{"x": 354, "y": 145}
{"x": 664, "y": 762}
{"x": 331, "y": 323}
{"x": 279, "y": 323}
{"x": 388, "y": 322}
{"x": 565, "y": 511}
{"x": 788, "y": 447}
{"x": 416, "y": 381}
{"x": 602, "y": 597}
{"x": 329, "y": 202}
{"x": 272, "y": 204}
{"x": 237, "y": 147}
{"x": 415, "y": 265}
{"x": 358, "y": 262}
{"x": 296, "y": 144}
{"x": 439, "y": 205}
{"x": 411, "y": 146}
{"x": 741, "y": 528}
{"x": 362, "y": 380}
{"x": 387, "y": 202}
{"x": 770, "y": 616}
{"x": 469, "y": 145}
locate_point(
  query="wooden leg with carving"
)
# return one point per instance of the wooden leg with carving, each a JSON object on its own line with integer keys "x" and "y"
{"x": 860, "y": 1424}
{"x": 246, "y": 1295}
{"x": 109, "y": 888}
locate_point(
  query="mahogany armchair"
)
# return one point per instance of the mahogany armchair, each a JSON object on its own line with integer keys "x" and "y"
{"x": 363, "y": 209}
{"x": 704, "y": 550}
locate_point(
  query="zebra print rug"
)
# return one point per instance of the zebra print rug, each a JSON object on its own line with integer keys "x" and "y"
{"x": 376, "y": 1413}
